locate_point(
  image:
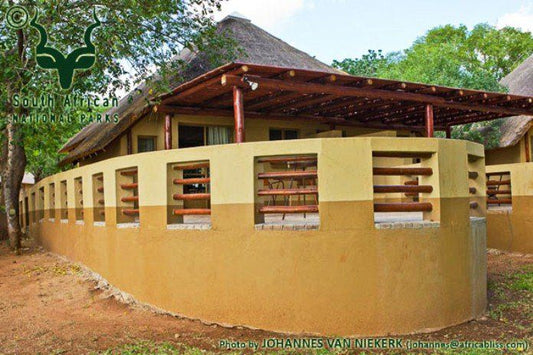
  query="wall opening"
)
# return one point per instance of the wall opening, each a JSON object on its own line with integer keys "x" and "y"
{"x": 52, "y": 200}
{"x": 286, "y": 192}
{"x": 189, "y": 194}
{"x": 78, "y": 198}
{"x": 63, "y": 197}
{"x": 402, "y": 186}
{"x": 98, "y": 198}
{"x": 499, "y": 195}
{"x": 127, "y": 195}
{"x": 40, "y": 203}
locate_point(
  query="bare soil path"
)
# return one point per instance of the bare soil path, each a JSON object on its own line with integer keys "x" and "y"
{"x": 48, "y": 306}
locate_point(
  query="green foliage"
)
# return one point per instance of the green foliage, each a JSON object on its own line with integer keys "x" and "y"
{"x": 135, "y": 38}
{"x": 456, "y": 57}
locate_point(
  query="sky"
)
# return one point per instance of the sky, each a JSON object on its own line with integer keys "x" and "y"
{"x": 338, "y": 29}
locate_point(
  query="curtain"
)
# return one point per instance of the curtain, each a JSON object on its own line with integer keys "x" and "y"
{"x": 219, "y": 135}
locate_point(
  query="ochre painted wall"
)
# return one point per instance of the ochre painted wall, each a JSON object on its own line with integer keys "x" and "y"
{"x": 512, "y": 228}
{"x": 346, "y": 278}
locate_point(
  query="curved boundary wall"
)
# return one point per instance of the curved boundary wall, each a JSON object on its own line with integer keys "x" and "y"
{"x": 350, "y": 276}
{"x": 511, "y": 228}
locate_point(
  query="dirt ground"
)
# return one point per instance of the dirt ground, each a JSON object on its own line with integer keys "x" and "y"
{"x": 47, "y": 305}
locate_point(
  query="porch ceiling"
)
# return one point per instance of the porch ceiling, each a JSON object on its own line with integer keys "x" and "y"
{"x": 340, "y": 99}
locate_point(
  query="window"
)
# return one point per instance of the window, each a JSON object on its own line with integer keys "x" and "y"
{"x": 146, "y": 144}
{"x": 282, "y": 134}
{"x": 195, "y": 136}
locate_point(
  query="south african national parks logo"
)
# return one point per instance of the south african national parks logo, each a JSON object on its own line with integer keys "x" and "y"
{"x": 47, "y": 57}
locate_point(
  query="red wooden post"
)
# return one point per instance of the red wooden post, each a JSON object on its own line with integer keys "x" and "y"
{"x": 429, "y": 120}
{"x": 129, "y": 142}
{"x": 168, "y": 132}
{"x": 449, "y": 132}
{"x": 238, "y": 114}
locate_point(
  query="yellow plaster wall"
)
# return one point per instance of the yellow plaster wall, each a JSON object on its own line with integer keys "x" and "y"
{"x": 346, "y": 278}
{"x": 512, "y": 229}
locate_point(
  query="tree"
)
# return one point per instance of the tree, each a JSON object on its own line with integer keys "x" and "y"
{"x": 456, "y": 57}
{"x": 134, "y": 38}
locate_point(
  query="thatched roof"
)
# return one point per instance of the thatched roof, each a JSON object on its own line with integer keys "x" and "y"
{"x": 257, "y": 47}
{"x": 519, "y": 82}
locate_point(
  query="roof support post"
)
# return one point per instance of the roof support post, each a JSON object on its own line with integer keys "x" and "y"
{"x": 449, "y": 132}
{"x": 429, "y": 120}
{"x": 238, "y": 114}
{"x": 129, "y": 142}
{"x": 168, "y": 132}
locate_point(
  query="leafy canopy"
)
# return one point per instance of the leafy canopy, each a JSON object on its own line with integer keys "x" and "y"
{"x": 136, "y": 37}
{"x": 456, "y": 57}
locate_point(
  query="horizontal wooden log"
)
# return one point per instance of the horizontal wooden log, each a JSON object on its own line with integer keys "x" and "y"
{"x": 130, "y": 212}
{"x": 130, "y": 199}
{"x": 473, "y": 174}
{"x": 287, "y": 160}
{"x": 403, "y": 188}
{"x": 191, "y": 211}
{"x": 129, "y": 186}
{"x": 100, "y": 189}
{"x": 474, "y": 205}
{"x": 192, "y": 166}
{"x": 402, "y": 171}
{"x": 496, "y": 182}
{"x": 498, "y": 192}
{"x": 288, "y": 174}
{"x": 129, "y": 172}
{"x": 403, "y": 207}
{"x": 503, "y": 201}
{"x": 411, "y": 182}
{"x": 289, "y": 209}
{"x": 198, "y": 196}
{"x": 288, "y": 192}
{"x": 102, "y": 213}
{"x": 472, "y": 190}
{"x": 192, "y": 181}
{"x": 101, "y": 202}
{"x": 100, "y": 178}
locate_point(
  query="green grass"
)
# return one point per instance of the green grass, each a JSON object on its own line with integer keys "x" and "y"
{"x": 523, "y": 281}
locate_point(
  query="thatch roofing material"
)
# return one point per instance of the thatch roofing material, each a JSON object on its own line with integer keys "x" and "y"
{"x": 256, "y": 46}
{"x": 519, "y": 82}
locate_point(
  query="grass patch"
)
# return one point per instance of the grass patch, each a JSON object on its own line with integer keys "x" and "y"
{"x": 523, "y": 281}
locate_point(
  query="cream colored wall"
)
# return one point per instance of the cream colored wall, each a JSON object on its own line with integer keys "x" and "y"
{"x": 346, "y": 278}
{"x": 256, "y": 130}
{"x": 509, "y": 155}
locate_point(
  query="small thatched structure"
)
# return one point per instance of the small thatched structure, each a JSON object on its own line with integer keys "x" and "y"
{"x": 256, "y": 46}
{"x": 519, "y": 82}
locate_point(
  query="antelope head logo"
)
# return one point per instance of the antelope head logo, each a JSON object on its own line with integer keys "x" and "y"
{"x": 50, "y": 58}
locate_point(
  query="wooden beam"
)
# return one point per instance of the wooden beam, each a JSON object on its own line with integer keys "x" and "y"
{"x": 168, "y": 131}
{"x": 429, "y": 121}
{"x": 311, "y": 88}
{"x": 238, "y": 114}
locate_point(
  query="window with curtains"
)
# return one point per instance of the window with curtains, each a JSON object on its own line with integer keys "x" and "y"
{"x": 146, "y": 144}
{"x": 194, "y": 136}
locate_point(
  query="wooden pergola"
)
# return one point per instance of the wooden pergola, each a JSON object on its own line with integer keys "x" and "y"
{"x": 253, "y": 91}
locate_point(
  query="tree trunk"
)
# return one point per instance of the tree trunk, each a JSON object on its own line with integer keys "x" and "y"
{"x": 3, "y": 218}
{"x": 15, "y": 164}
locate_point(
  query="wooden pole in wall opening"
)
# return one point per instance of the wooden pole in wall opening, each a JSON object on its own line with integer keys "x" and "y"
{"x": 238, "y": 114}
{"x": 429, "y": 120}
{"x": 449, "y": 132}
{"x": 168, "y": 132}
